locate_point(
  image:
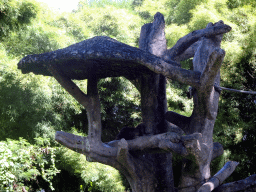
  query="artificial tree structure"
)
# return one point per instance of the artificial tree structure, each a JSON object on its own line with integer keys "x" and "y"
{"x": 146, "y": 161}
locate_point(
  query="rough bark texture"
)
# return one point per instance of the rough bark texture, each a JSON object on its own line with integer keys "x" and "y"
{"x": 248, "y": 185}
{"x": 146, "y": 161}
{"x": 154, "y": 104}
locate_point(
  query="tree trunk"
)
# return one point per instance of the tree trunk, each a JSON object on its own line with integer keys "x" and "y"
{"x": 152, "y": 88}
{"x": 197, "y": 171}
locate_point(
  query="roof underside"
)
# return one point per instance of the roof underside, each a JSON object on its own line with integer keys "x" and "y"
{"x": 104, "y": 56}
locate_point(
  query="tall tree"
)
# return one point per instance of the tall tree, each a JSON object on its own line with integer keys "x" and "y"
{"x": 144, "y": 154}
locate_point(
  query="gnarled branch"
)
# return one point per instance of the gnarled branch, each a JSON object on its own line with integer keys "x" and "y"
{"x": 163, "y": 143}
{"x": 84, "y": 145}
{"x": 175, "y": 53}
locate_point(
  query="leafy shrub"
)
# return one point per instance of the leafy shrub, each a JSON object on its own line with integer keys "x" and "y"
{"x": 22, "y": 164}
{"x": 102, "y": 178}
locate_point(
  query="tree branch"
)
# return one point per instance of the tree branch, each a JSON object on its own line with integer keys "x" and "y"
{"x": 173, "y": 147}
{"x": 152, "y": 36}
{"x": 164, "y": 142}
{"x": 155, "y": 142}
{"x": 207, "y": 80}
{"x": 189, "y": 53}
{"x": 208, "y": 59}
{"x": 212, "y": 68}
{"x": 171, "y": 142}
{"x": 194, "y": 143}
{"x": 185, "y": 42}
{"x": 93, "y": 109}
{"x": 219, "y": 177}
{"x": 84, "y": 145}
{"x": 235, "y": 90}
{"x": 124, "y": 157}
{"x": 69, "y": 85}
{"x": 182, "y": 75}
{"x": 241, "y": 185}
{"x": 174, "y": 142}
{"x": 74, "y": 142}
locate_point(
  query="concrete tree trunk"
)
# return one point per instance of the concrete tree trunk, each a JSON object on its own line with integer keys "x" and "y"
{"x": 146, "y": 161}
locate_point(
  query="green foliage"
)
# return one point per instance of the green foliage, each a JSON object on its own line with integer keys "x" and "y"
{"x": 174, "y": 32}
{"x": 14, "y": 14}
{"x": 136, "y": 3}
{"x": 31, "y": 41}
{"x": 27, "y": 11}
{"x": 125, "y": 4}
{"x": 181, "y": 12}
{"x": 241, "y": 109}
{"x": 71, "y": 165}
{"x": 177, "y": 98}
{"x": 35, "y": 39}
{"x": 239, "y": 3}
{"x": 70, "y": 26}
{"x": 202, "y": 14}
{"x": 102, "y": 178}
{"x": 115, "y": 23}
{"x": 149, "y": 8}
{"x": 22, "y": 164}
{"x": 32, "y": 105}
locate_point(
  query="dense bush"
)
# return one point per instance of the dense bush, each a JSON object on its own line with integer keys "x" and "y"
{"x": 15, "y": 14}
{"x": 23, "y": 165}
